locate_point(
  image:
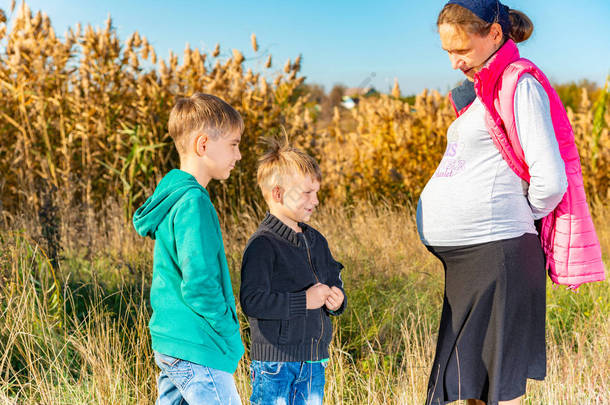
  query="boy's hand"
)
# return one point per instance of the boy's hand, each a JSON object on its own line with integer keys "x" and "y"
{"x": 316, "y": 295}
{"x": 335, "y": 299}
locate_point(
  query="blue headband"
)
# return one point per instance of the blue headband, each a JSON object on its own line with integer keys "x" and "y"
{"x": 490, "y": 11}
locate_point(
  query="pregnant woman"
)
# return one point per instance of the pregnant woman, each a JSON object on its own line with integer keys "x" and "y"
{"x": 510, "y": 161}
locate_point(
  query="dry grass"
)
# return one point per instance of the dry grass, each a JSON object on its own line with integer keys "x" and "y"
{"x": 81, "y": 337}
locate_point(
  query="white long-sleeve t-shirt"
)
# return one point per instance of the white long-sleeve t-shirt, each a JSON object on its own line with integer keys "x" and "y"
{"x": 474, "y": 196}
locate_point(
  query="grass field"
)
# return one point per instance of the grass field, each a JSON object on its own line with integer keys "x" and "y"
{"x": 78, "y": 334}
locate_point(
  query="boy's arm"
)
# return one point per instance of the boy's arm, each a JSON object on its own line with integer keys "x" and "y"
{"x": 198, "y": 248}
{"x": 334, "y": 280}
{"x": 256, "y": 298}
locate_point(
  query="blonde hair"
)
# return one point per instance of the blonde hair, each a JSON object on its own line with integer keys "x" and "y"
{"x": 521, "y": 27}
{"x": 282, "y": 161}
{"x": 201, "y": 112}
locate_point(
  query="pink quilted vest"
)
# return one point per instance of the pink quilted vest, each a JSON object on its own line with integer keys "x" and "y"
{"x": 572, "y": 249}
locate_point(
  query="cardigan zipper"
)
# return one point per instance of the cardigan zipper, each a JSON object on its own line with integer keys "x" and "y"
{"x": 317, "y": 280}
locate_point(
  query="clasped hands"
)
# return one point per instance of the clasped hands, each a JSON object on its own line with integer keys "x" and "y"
{"x": 319, "y": 295}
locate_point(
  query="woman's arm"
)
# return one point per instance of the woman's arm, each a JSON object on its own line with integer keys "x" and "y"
{"x": 534, "y": 126}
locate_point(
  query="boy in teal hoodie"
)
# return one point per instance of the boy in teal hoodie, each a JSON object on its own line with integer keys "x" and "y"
{"x": 194, "y": 328}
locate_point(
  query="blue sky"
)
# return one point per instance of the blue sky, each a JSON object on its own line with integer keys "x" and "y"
{"x": 349, "y": 42}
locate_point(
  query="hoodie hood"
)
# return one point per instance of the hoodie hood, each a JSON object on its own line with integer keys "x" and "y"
{"x": 170, "y": 189}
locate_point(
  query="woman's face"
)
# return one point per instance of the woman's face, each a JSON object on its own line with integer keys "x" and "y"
{"x": 469, "y": 52}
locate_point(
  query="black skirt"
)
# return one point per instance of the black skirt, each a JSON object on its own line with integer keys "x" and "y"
{"x": 491, "y": 335}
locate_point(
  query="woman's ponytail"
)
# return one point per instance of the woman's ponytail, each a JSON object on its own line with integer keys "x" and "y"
{"x": 521, "y": 26}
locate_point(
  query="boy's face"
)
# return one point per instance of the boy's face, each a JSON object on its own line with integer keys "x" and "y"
{"x": 221, "y": 154}
{"x": 300, "y": 198}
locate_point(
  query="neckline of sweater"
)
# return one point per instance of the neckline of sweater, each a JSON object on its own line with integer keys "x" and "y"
{"x": 276, "y": 226}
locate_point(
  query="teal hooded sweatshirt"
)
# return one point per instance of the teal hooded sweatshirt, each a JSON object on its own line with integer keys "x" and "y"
{"x": 194, "y": 316}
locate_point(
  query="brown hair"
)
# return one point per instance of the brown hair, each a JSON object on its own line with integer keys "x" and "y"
{"x": 202, "y": 112}
{"x": 521, "y": 25}
{"x": 282, "y": 161}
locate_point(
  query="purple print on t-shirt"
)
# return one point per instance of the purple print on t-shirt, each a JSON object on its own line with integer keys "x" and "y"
{"x": 451, "y": 150}
{"x": 450, "y": 166}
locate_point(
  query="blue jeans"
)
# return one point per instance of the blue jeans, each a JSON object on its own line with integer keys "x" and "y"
{"x": 182, "y": 382}
{"x": 287, "y": 383}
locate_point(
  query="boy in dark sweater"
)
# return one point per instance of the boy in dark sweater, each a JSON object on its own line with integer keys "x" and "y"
{"x": 290, "y": 284}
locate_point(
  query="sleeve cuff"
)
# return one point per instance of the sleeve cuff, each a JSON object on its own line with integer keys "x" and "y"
{"x": 297, "y": 304}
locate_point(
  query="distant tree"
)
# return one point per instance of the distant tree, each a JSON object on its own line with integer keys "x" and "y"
{"x": 316, "y": 93}
{"x": 336, "y": 95}
{"x": 409, "y": 99}
{"x": 330, "y": 101}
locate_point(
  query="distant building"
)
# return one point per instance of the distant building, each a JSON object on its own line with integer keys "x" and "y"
{"x": 349, "y": 102}
{"x": 353, "y": 95}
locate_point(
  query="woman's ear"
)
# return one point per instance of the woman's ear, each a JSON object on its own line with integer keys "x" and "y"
{"x": 201, "y": 143}
{"x": 277, "y": 194}
{"x": 495, "y": 33}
